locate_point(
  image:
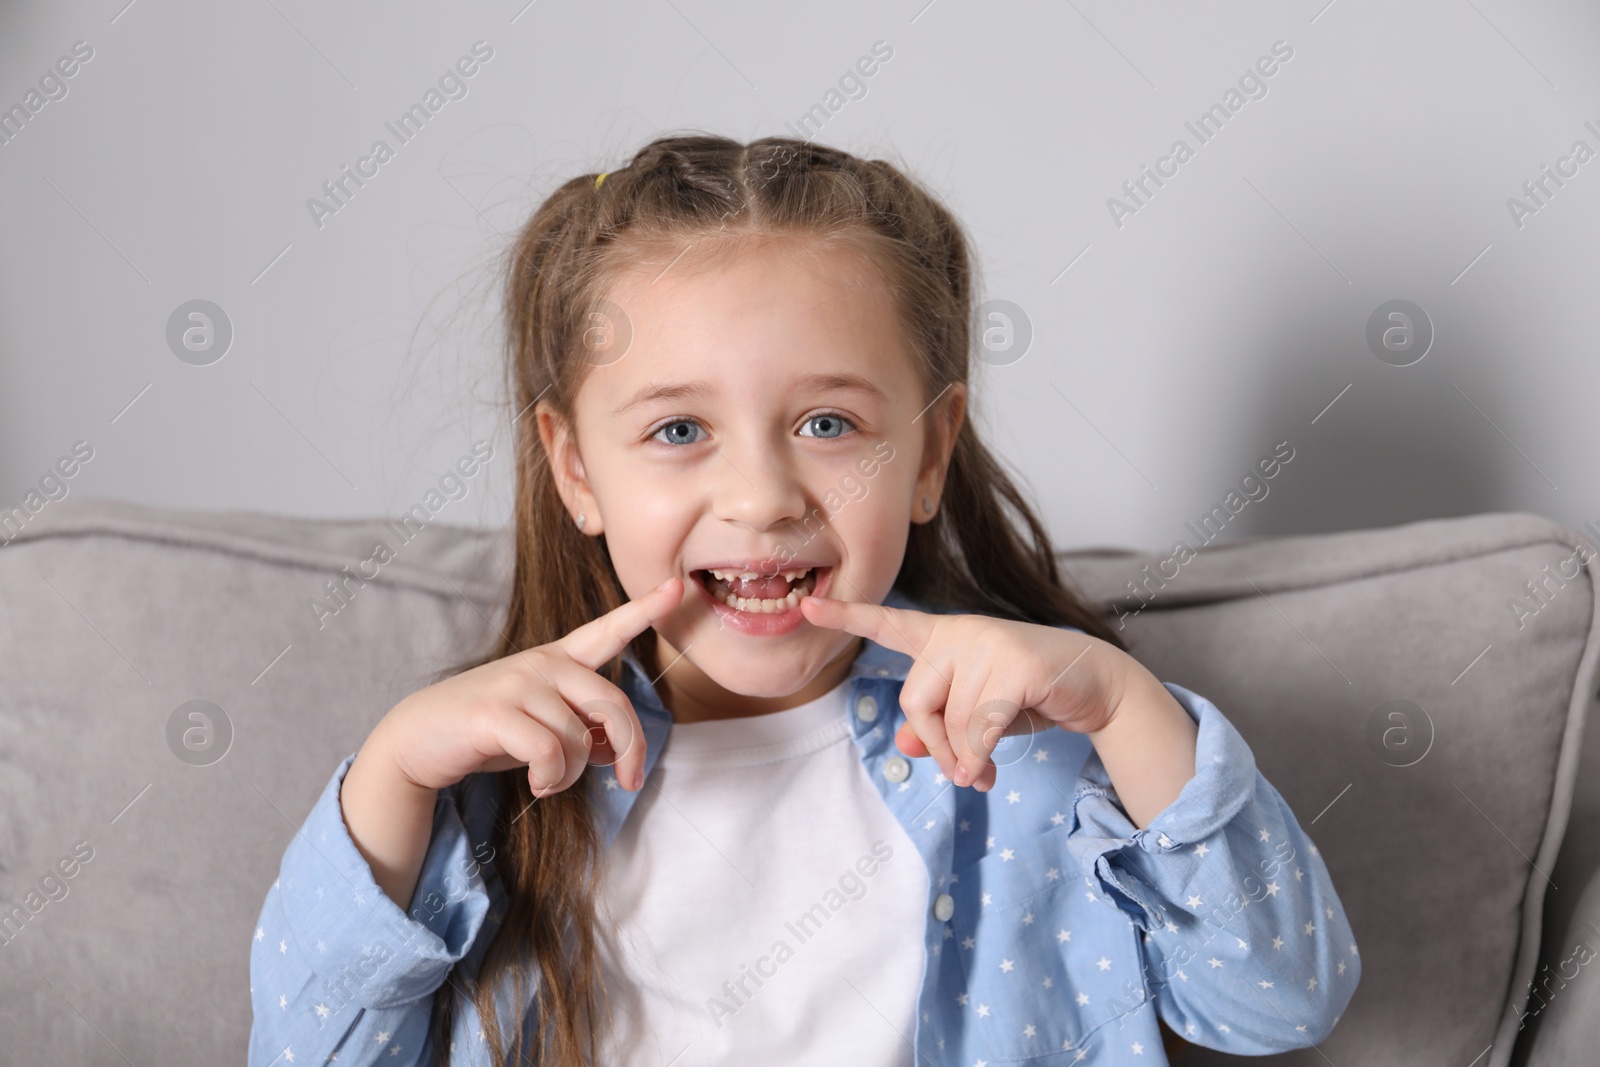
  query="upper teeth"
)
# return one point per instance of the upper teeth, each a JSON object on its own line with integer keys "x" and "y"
{"x": 751, "y": 576}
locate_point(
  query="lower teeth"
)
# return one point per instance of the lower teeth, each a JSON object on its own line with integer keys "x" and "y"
{"x": 760, "y": 606}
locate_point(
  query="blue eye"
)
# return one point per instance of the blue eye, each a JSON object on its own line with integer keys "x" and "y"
{"x": 831, "y": 424}
{"x": 676, "y": 436}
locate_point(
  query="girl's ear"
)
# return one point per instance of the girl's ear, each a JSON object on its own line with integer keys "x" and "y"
{"x": 566, "y": 466}
{"x": 945, "y": 424}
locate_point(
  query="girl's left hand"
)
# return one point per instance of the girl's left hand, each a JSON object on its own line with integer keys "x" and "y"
{"x": 975, "y": 679}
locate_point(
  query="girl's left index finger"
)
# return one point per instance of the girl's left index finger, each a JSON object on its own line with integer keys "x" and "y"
{"x": 898, "y": 628}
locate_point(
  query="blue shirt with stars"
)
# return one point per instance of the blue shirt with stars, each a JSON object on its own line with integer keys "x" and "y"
{"x": 1056, "y": 931}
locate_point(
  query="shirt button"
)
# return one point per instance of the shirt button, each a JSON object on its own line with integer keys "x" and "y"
{"x": 944, "y": 907}
{"x": 866, "y": 709}
{"x": 896, "y": 769}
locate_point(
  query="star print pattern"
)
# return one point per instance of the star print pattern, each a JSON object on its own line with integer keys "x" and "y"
{"x": 360, "y": 1002}
{"x": 1229, "y": 882}
{"x": 1072, "y": 931}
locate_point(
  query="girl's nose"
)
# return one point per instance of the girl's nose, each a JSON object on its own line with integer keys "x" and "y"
{"x": 758, "y": 487}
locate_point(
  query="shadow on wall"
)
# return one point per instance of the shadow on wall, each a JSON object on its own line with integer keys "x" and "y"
{"x": 1378, "y": 444}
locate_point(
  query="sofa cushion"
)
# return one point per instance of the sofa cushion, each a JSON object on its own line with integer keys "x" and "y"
{"x": 119, "y": 616}
{"x": 116, "y": 617}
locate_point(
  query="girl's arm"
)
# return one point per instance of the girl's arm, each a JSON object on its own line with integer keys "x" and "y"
{"x": 389, "y": 817}
{"x": 1148, "y": 747}
{"x": 1246, "y": 944}
{"x": 335, "y": 965}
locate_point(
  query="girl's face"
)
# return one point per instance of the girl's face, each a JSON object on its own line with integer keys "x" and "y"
{"x": 766, "y": 418}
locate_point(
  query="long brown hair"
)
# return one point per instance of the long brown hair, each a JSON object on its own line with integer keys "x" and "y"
{"x": 985, "y": 551}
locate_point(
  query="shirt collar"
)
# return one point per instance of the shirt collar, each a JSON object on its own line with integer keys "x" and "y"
{"x": 874, "y": 665}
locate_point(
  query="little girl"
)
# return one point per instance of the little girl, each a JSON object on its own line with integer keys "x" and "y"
{"x": 796, "y": 748}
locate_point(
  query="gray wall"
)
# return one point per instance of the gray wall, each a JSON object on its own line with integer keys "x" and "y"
{"x": 1172, "y": 348}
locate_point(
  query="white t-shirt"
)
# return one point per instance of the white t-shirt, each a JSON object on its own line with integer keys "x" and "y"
{"x": 760, "y": 903}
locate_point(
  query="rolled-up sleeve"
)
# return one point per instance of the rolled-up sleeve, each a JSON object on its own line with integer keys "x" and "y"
{"x": 1247, "y": 947}
{"x": 338, "y": 967}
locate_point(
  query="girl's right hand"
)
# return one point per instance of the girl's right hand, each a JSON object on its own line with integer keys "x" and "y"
{"x": 520, "y": 710}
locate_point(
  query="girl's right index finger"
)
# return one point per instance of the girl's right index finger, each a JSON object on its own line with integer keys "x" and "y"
{"x": 597, "y": 642}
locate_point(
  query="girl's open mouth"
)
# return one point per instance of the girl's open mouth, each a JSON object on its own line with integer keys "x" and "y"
{"x": 760, "y": 594}
{"x": 765, "y": 604}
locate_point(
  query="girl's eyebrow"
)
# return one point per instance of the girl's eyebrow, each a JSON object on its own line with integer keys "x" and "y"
{"x": 806, "y": 382}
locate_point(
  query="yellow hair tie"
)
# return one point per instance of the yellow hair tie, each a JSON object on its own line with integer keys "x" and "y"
{"x": 600, "y": 179}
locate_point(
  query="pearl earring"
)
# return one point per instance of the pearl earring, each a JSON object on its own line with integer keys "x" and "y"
{"x": 579, "y": 520}
{"x": 927, "y": 505}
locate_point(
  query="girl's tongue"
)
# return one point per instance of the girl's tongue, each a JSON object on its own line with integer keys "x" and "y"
{"x": 775, "y": 588}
